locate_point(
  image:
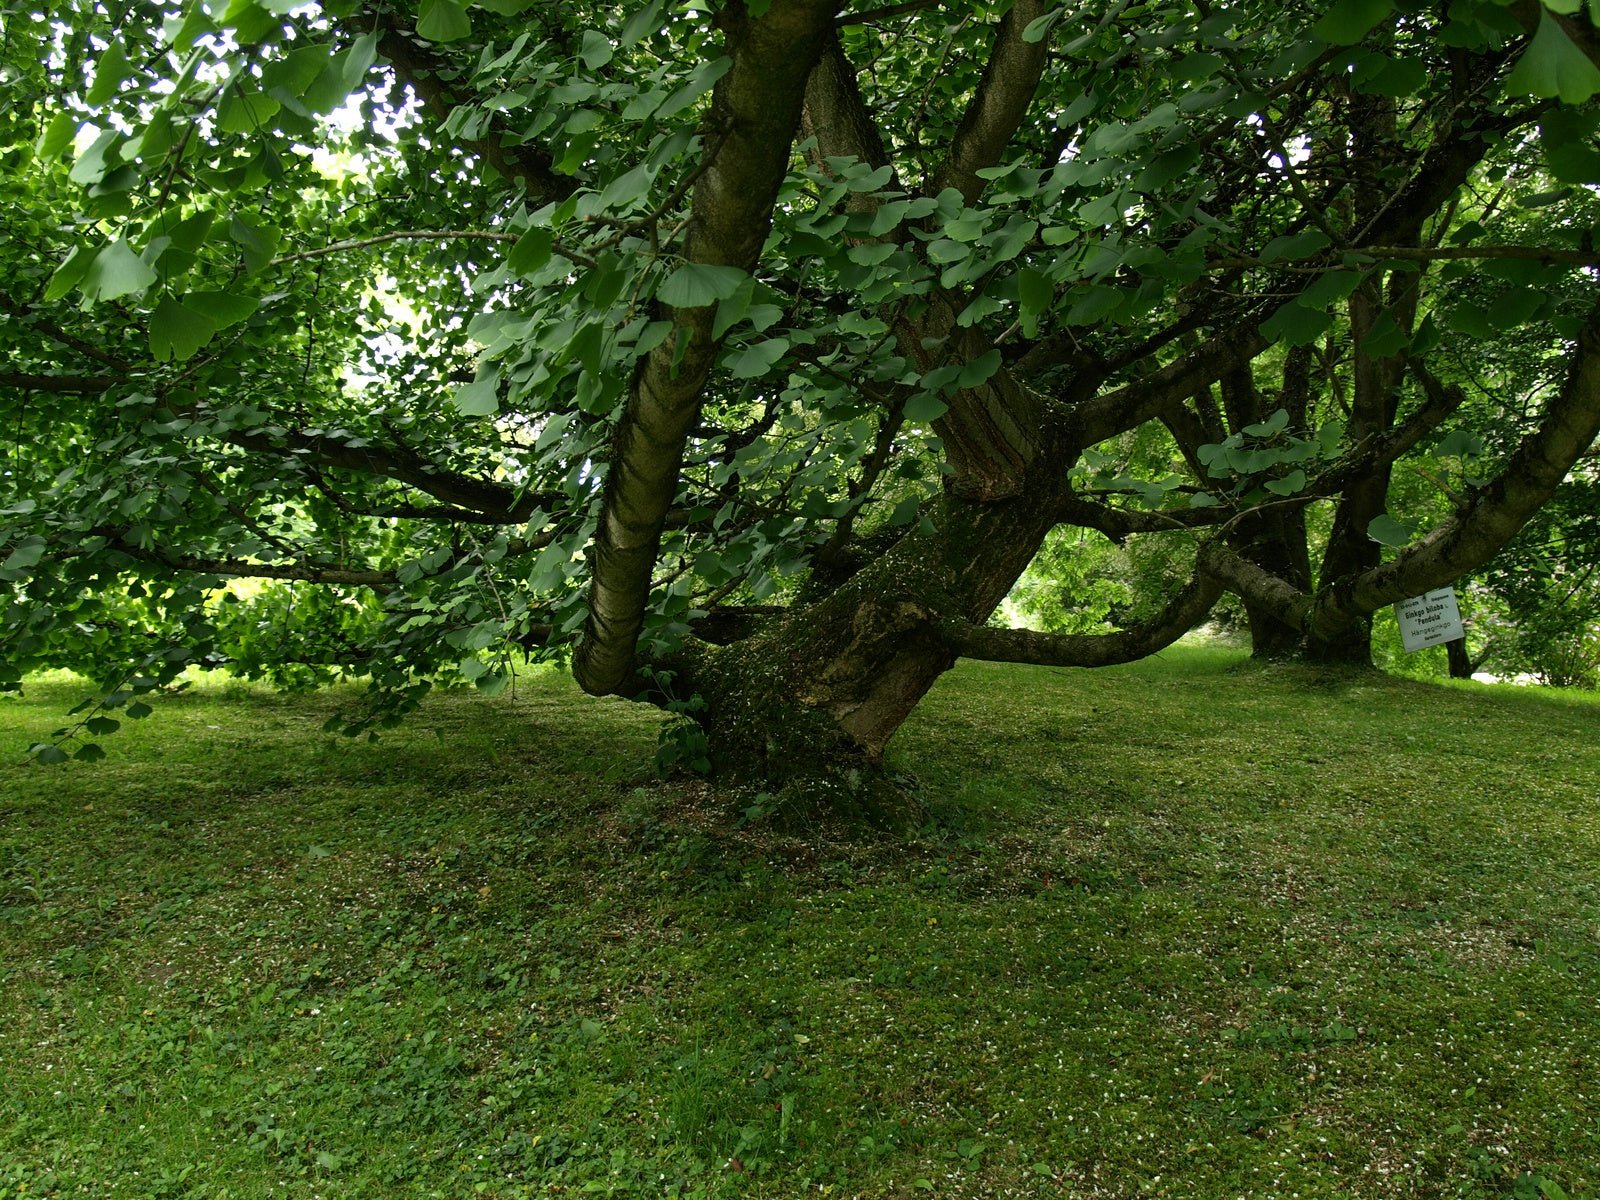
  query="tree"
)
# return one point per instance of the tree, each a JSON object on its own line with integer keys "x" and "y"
{"x": 748, "y": 352}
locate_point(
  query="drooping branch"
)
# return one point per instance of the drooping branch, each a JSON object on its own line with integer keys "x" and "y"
{"x": 1009, "y": 81}
{"x": 1181, "y": 614}
{"x": 755, "y": 109}
{"x": 53, "y": 331}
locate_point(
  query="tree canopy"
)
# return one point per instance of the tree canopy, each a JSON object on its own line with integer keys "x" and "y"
{"x": 744, "y": 354}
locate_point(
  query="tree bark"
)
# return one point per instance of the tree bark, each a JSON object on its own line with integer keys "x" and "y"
{"x": 819, "y": 692}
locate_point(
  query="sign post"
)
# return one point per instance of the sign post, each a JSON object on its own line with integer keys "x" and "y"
{"x": 1429, "y": 620}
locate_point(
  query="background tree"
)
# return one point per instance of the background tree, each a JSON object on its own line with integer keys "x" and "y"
{"x": 749, "y": 352}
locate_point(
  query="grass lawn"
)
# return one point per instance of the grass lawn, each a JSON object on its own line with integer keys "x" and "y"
{"x": 1190, "y": 928}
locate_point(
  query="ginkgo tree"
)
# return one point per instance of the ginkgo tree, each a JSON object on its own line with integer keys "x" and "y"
{"x": 744, "y": 354}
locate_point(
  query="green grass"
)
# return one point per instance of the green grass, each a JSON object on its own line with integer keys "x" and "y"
{"x": 1193, "y": 928}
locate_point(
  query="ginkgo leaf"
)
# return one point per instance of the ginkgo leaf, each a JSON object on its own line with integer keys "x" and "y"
{"x": 444, "y": 21}
{"x": 177, "y": 330}
{"x": 1553, "y": 66}
{"x": 116, "y": 271}
{"x": 695, "y": 285}
{"x": 751, "y": 362}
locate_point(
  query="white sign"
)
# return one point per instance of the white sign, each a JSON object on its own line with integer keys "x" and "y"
{"x": 1430, "y": 620}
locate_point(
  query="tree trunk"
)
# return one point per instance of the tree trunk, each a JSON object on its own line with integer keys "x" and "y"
{"x": 1460, "y": 660}
{"x": 1277, "y": 543}
{"x": 817, "y": 694}
{"x": 1351, "y": 647}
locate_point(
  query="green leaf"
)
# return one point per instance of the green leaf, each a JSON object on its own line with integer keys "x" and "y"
{"x": 70, "y": 272}
{"x": 1039, "y": 28}
{"x": 1385, "y": 338}
{"x": 57, "y": 136}
{"x": 1552, "y": 66}
{"x": 640, "y": 24}
{"x": 177, "y": 331}
{"x": 342, "y": 76}
{"x": 1276, "y": 423}
{"x": 531, "y": 251}
{"x": 751, "y": 362}
{"x": 101, "y": 726}
{"x": 1515, "y": 307}
{"x": 871, "y": 254}
{"x": 245, "y": 111}
{"x": 732, "y": 310}
{"x": 978, "y": 370}
{"x": 138, "y": 710}
{"x": 24, "y": 557}
{"x": 926, "y": 407}
{"x": 88, "y": 752}
{"x": 1289, "y": 485}
{"x": 628, "y": 188}
{"x": 96, "y": 159}
{"x": 116, "y": 271}
{"x": 109, "y": 74}
{"x": 1329, "y": 288}
{"x": 695, "y": 285}
{"x": 257, "y": 241}
{"x": 481, "y": 397}
{"x": 1386, "y": 530}
{"x": 443, "y": 21}
{"x": 1035, "y": 292}
{"x": 597, "y": 50}
{"x": 1295, "y": 245}
{"x": 704, "y": 78}
{"x": 1397, "y": 77}
{"x": 223, "y": 308}
{"x": 49, "y": 755}
{"x": 904, "y": 512}
{"x": 1296, "y": 324}
{"x": 1459, "y": 442}
{"x": 1348, "y": 21}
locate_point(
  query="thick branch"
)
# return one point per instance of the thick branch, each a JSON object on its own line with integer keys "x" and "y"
{"x": 1145, "y": 399}
{"x": 1119, "y": 524}
{"x": 754, "y": 111}
{"x": 1495, "y": 514}
{"x": 60, "y": 384}
{"x": 497, "y": 501}
{"x": 1264, "y": 590}
{"x": 238, "y": 568}
{"x": 1463, "y": 543}
{"x": 1182, "y": 613}
{"x": 1009, "y": 80}
{"x": 991, "y": 432}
